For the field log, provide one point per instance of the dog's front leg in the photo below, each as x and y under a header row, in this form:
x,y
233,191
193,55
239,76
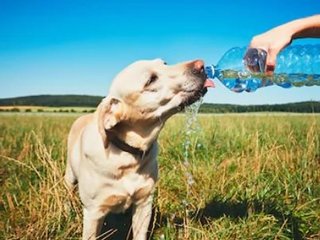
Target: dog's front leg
x,y
141,219
91,224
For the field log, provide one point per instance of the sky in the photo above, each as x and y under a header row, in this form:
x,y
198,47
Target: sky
x,y
77,47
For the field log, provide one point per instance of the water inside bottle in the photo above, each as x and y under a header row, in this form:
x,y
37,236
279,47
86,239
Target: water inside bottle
x,y
239,81
296,79
242,69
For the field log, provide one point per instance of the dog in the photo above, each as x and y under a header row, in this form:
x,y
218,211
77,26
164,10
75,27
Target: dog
x,y
112,153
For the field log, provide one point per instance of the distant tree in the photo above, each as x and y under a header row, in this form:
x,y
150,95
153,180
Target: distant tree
x,y
28,110
15,110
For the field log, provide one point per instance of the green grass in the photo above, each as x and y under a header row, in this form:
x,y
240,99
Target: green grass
x,y
256,177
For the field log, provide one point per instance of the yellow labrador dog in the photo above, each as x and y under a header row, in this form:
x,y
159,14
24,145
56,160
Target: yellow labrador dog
x,y
112,153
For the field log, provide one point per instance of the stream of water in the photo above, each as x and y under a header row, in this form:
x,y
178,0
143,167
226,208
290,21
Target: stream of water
x,y
192,130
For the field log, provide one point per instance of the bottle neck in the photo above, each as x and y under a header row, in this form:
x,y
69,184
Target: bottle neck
x,y
211,71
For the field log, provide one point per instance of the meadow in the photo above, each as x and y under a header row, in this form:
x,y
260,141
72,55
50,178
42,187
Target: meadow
x,y
256,176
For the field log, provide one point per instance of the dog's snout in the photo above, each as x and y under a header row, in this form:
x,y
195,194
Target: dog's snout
x,y
197,66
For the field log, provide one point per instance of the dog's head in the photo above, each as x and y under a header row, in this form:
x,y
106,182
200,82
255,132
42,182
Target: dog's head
x,y
146,93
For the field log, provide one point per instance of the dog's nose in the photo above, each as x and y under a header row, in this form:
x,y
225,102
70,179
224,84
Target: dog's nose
x,y
198,66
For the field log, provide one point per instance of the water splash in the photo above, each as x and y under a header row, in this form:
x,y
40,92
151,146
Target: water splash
x,y
192,130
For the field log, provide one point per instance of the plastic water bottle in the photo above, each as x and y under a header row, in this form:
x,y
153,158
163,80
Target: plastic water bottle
x,y
296,66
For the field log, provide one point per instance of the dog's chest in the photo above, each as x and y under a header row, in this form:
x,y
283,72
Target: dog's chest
x,y
128,183
130,189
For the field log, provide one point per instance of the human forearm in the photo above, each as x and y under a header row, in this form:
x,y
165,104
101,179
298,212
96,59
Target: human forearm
x,y
308,27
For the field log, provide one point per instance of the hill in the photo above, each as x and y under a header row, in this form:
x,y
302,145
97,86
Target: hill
x,y
92,101
53,101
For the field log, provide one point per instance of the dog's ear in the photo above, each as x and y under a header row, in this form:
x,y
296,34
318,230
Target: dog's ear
x,y
110,113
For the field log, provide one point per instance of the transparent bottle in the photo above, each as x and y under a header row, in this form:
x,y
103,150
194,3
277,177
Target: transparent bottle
x,y
296,66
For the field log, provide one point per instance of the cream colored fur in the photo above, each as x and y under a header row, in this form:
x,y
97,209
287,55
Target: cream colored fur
x,y
141,98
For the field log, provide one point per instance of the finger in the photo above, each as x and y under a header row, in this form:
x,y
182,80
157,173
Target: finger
x,y
271,62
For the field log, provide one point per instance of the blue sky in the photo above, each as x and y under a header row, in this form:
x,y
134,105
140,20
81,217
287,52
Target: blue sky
x,y
77,47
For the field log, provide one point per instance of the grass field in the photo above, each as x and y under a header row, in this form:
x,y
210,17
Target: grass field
x,y
256,177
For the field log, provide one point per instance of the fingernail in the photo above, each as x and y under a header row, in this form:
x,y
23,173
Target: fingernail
x,y
270,68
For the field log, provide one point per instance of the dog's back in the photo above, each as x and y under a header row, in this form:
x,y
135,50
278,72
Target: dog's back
x,y
73,154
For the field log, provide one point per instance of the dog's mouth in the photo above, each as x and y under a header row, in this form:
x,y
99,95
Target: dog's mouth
x,y
207,84
203,83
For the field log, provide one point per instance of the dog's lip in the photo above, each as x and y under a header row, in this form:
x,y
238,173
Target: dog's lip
x,y
207,84
203,91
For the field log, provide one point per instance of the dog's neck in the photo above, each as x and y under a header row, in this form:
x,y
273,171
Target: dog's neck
x,y
135,141
122,145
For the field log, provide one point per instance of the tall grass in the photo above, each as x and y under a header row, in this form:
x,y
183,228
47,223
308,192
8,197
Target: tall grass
x,y
33,196
256,177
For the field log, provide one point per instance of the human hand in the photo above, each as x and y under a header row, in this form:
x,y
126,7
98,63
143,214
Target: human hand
x,y
279,37
272,42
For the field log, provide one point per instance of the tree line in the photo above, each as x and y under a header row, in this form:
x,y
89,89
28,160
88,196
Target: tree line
x,y
93,101
53,101
302,107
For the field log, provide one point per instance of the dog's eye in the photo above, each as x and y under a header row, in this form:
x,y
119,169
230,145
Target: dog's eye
x,y
152,79
165,63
